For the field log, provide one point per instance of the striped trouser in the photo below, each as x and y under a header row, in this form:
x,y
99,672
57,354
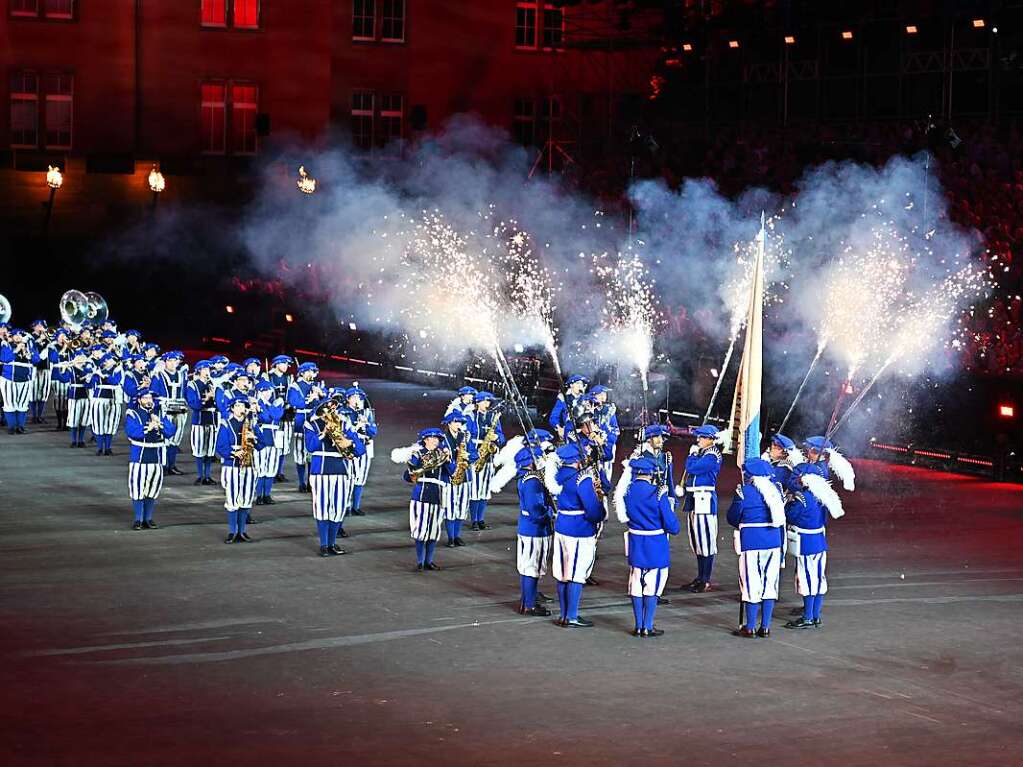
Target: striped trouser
x,y
285,434
759,570
573,558
105,415
456,502
479,481
811,574
647,582
204,441
78,413
298,449
17,395
144,480
239,487
265,461
40,384
703,533
533,552
332,495
59,389
180,421
360,467
424,520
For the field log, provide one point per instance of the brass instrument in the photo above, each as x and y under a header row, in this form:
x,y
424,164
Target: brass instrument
x,y
488,446
461,463
5,309
334,427
429,461
247,444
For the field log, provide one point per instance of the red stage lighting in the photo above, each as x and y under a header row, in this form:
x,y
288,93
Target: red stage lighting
x,y
1007,411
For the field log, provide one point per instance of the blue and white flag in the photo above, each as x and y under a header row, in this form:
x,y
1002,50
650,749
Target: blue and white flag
x,y
745,421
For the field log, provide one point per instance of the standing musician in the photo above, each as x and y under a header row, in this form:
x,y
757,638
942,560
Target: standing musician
x,y
331,445
169,385
605,413
565,405
5,339
78,377
464,402
41,372
784,456
365,424
654,446
60,361
279,376
132,344
758,513
456,502
699,483
104,386
229,389
429,470
19,358
199,394
237,442
822,453
151,353
136,377
254,368
305,391
649,511
147,432
536,520
268,411
487,437
580,514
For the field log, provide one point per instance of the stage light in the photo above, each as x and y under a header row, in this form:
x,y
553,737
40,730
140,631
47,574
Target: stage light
x,y
911,29
847,34
687,47
978,23
229,309
1007,411
288,318
53,177
790,40
733,43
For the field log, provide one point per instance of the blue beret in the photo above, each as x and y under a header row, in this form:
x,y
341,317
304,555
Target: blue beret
x,y
575,379
219,359
783,442
8,325
174,355
484,396
33,323
145,347
112,334
757,467
135,333
537,436
643,465
87,324
61,332
818,443
252,361
467,390
264,385
93,348
454,415
354,391
203,365
704,431
281,358
235,400
232,368
108,358
433,431
599,389
307,366
143,392
570,453
527,456
656,430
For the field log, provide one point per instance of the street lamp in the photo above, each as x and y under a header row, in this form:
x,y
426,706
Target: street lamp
x,y
54,180
306,183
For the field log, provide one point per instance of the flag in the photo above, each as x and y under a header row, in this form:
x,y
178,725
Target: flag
x,y
745,420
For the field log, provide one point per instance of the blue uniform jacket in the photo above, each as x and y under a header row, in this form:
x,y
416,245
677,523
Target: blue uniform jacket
x,y
203,413
135,427
561,411
480,423
607,419
807,514
452,444
170,385
579,509
368,429
429,491
749,508
317,441
229,437
269,419
18,367
535,510
224,397
702,470
131,382
665,468
300,399
649,512
105,383
78,382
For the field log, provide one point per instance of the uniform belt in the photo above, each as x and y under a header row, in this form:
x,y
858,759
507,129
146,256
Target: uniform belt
x,y
707,488
306,410
645,532
757,524
76,386
804,531
107,386
207,410
271,427
432,481
136,443
21,364
327,454
571,512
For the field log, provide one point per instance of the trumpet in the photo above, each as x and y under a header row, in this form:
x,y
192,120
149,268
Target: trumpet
x,y
430,460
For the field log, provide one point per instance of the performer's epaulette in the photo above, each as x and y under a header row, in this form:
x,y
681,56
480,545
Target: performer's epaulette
x,y
714,449
532,474
612,409
799,497
738,492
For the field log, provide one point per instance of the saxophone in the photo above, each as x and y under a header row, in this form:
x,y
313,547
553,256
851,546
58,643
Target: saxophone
x,y
488,447
334,427
428,462
247,442
461,463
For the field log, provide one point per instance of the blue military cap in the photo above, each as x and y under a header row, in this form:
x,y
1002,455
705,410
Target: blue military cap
x,y
202,365
281,359
576,379
252,361
599,389
570,453
132,332
354,391
19,332
37,323
93,348
757,467
526,457
536,436
643,465
219,359
482,396
307,366
112,334
5,325
264,385
656,430
87,324
783,442
235,400
453,416
467,390
433,431
143,391
175,354
708,432
61,332
145,347
819,444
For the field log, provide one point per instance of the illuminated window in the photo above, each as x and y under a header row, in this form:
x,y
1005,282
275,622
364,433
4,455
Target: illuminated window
x,y
553,27
389,127
363,20
240,14
214,117
24,109
214,13
59,95
244,105
246,14
362,119
524,121
392,21
24,8
525,25
49,9
58,9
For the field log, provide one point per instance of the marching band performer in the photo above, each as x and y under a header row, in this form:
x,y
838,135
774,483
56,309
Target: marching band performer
x,y
456,502
429,470
135,378
487,435
169,386
564,407
464,402
132,345
104,385
78,377
5,329
605,413
254,368
41,372
654,446
237,442
536,520
757,512
147,432
807,512
364,420
331,444
151,353
199,394
822,453
228,388
268,415
301,396
649,511
220,364
279,376
701,503
60,361
18,359
784,456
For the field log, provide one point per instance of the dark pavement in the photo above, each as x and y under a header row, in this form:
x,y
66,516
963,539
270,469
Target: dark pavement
x,y
167,647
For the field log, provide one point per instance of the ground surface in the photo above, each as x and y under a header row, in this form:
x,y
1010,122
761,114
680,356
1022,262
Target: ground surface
x,y
167,647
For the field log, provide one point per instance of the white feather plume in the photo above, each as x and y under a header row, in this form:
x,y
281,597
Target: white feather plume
x,y
842,468
403,454
620,488
550,470
796,456
505,463
821,488
772,496
507,453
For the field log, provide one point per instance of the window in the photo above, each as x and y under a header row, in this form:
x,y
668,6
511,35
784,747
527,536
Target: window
x,y
525,25
392,22
389,129
535,120
214,117
244,105
25,8
549,114
239,14
24,109
59,96
524,121
362,119
49,9
58,9
364,20
553,28
552,33
378,121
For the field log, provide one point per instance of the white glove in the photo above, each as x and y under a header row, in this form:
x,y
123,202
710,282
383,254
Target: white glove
x,y
680,490
694,450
